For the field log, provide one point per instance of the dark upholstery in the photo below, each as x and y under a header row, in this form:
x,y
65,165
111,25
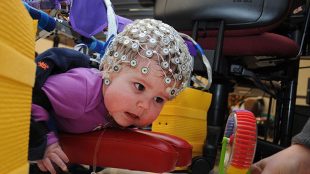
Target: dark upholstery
x,y
237,13
265,44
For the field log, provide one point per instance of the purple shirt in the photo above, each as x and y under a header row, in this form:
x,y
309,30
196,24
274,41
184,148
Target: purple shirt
x,y
77,101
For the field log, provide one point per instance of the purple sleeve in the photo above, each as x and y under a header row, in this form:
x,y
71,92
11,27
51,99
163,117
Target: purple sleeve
x,y
38,113
51,138
191,48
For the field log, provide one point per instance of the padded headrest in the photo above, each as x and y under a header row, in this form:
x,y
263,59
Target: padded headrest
x,y
236,13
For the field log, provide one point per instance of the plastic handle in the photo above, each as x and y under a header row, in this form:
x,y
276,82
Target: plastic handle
x,y
223,153
45,21
96,45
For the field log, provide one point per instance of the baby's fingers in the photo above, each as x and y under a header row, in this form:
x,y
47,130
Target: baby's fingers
x,y
58,161
41,166
48,165
62,155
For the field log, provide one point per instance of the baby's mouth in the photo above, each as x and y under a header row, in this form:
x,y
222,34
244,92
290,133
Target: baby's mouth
x,y
132,116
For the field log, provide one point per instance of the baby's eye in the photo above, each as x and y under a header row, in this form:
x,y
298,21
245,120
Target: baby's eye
x,y
139,86
158,99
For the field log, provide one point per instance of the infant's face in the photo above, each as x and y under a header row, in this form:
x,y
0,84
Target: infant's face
x,y
134,98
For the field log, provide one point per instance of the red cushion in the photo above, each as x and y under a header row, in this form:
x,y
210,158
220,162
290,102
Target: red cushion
x,y
127,149
266,44
183,148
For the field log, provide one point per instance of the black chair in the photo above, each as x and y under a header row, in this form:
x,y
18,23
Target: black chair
x,y
239,37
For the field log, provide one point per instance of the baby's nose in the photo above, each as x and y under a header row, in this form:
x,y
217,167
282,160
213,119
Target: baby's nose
x,y
145,104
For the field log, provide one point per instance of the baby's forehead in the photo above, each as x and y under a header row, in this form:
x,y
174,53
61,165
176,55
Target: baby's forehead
x,y
152,65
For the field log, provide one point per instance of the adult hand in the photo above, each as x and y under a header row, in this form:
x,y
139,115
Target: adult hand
x,y
53,155
294,159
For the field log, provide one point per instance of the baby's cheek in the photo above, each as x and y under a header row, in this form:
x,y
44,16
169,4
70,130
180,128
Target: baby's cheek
x,y
155,114
119,100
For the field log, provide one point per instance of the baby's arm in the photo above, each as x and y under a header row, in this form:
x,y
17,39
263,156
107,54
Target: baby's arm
x,y
53,152
55,61
38,113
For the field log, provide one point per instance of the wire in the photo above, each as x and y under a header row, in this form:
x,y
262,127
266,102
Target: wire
x,y
97,148
204,59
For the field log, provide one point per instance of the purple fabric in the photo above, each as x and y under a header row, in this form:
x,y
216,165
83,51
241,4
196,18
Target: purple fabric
x,y
51,138
122,22
191,48
77,100
88,17
39,113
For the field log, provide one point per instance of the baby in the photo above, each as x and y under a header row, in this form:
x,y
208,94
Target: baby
x,y
143,67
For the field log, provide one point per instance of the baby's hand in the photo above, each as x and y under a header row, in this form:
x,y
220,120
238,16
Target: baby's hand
x,y
53,154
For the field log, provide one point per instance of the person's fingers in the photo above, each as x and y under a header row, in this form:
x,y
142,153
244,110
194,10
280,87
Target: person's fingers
x,y
62,155
254,169
49,166
41,166
55,148
58,161
258,167
52,146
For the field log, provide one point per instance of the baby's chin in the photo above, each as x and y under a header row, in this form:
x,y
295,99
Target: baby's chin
x,y
122,123
126,125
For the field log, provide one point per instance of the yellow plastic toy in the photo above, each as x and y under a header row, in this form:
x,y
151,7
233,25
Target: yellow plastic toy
x,y
17,74
186,117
